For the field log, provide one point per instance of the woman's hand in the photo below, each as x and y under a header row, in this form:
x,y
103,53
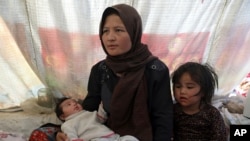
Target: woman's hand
x,y
60,136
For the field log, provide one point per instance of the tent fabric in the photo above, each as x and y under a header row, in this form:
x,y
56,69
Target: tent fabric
x,y
54,43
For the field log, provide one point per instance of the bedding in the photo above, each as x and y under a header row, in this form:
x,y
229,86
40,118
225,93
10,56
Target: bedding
x,y
246,110
7,136
24,119
231,107
24,123
21,121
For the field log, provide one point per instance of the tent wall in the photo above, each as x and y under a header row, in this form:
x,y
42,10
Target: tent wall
x,y
45,43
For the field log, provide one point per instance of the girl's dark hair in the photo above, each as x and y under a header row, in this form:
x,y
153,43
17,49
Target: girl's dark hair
x,y
203,74
58,109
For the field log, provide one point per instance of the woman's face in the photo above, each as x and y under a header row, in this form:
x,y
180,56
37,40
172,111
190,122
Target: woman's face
x,y
187,93
115,37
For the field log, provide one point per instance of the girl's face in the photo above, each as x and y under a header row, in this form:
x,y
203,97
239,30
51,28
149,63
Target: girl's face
x,y
69,107
187,94
115,37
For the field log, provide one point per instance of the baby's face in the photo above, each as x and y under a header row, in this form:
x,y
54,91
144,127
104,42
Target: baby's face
x,y
69,107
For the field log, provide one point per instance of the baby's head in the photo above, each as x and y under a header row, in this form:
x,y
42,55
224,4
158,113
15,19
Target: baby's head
x,y
66,107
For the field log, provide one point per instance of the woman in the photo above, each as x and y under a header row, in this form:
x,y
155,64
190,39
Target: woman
x,y
133,85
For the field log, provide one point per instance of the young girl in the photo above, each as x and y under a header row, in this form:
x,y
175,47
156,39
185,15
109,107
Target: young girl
x,y
194,116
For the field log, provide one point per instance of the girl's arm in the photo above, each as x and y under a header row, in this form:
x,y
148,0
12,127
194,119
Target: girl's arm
x,y
219,131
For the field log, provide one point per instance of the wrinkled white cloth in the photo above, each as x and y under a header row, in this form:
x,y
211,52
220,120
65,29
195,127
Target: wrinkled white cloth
x,y
6,136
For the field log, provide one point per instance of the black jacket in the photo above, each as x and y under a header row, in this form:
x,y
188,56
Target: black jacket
x,y
102,82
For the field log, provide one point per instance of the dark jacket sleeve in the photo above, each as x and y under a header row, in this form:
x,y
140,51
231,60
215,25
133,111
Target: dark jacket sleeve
x,y
160,101
93,98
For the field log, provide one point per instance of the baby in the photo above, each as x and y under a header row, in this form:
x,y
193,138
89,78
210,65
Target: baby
x,y
82,125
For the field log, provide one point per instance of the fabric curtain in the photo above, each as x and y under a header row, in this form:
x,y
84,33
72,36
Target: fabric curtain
x,y
45,43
